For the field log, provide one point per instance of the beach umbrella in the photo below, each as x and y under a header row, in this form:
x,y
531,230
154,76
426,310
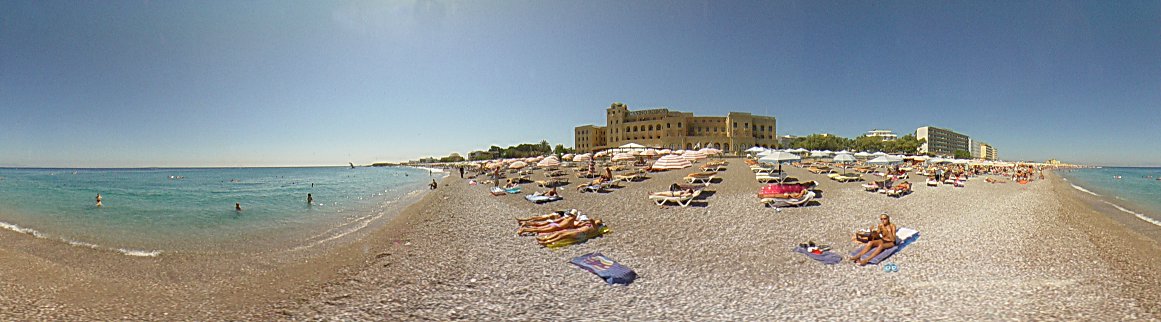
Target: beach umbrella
x,y
798,150
650,153
518,165
883,160
862,155
693,155
755,149
844,158
623,157
878,154
567,157
582,158
820,154
665,151
672,161
548,162
779,157
601,154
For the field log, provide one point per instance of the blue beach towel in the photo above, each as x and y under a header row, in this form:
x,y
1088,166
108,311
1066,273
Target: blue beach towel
x,y
608,269
541,199
907,235
827,257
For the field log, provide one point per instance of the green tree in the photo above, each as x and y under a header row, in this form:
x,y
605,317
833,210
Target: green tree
x,y
907,144
868,144
961,154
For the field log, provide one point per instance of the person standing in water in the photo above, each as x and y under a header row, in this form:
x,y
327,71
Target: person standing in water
x,y
309,199
238,206
99,200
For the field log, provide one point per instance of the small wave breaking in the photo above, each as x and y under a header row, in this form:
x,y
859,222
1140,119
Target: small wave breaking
x,y
1084,190
1139,215
75,243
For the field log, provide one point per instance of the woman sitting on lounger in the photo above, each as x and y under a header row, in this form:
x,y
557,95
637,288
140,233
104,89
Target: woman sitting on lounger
x,y
579,233
884,239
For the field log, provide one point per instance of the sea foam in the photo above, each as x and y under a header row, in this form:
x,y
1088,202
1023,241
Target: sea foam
x,y
1141,216
1085,190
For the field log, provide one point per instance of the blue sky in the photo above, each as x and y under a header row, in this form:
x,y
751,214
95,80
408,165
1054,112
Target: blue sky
x,y
263,83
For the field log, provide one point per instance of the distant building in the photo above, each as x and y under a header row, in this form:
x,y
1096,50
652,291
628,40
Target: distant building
x,y
662,128
482,155
941,142
885,135
786,139
981,150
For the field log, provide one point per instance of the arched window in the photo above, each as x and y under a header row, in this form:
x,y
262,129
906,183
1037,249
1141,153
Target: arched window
x,y
717,146
650,127
679,125
726,147
689,146
667,125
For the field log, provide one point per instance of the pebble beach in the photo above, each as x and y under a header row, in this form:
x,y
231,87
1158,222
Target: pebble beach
x,y
1040,251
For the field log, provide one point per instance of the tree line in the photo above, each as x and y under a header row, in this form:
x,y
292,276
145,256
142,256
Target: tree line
x,y
906,144
522,150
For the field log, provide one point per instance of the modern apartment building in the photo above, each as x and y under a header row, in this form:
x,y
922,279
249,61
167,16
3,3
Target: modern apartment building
x,y
987,152
885,135
941,142
662,128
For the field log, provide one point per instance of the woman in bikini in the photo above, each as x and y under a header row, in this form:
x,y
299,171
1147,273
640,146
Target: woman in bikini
x,y
884,240
585,229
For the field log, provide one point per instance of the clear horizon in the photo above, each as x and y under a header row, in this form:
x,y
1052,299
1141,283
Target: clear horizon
x,y
271,83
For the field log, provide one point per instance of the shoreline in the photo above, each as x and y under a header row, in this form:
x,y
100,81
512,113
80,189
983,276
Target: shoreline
x,y
49,279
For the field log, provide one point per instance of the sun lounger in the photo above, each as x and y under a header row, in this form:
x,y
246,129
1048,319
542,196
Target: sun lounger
x,y
712,168
681,198
551,183
932,183
848,177
764,170
872,187
597,187
762,178
628,177
700,177
542,199
904,234
788,202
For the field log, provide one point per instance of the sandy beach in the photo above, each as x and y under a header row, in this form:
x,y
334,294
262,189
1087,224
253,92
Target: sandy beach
x,y
1041,251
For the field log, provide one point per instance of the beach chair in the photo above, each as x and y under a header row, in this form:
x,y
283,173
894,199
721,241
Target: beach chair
x,y
712,168
788,202
538,199
551,183
681,198
871,187
595,187
763,178
700,177
932,183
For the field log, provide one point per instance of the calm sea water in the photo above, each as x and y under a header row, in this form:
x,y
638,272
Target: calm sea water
x,y
150,211
1132,190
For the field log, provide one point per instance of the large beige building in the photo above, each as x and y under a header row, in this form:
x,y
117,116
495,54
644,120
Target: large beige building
x,y
662,128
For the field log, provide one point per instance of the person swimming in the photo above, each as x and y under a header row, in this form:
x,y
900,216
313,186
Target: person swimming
x,y
238,206
99,200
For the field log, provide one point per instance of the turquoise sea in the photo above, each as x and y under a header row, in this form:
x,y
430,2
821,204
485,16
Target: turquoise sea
x,y
1132,190
147,212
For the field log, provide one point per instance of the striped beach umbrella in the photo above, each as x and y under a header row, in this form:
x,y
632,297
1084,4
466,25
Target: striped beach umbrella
x,y
672,161
582,158
567,157
623,157
518,165
693,155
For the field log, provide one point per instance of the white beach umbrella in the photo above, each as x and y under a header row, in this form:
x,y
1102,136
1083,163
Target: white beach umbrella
x,y
755,149
878,154
844,157
862,155
582,158
567,157
820,154
798,150
884,160
548,162
623,157
672,161
601,154
779,157
693,155
518,165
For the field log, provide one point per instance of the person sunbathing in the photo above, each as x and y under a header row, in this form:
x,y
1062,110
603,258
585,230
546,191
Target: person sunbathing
x,y
882,238
579,233
550,193
902,186
511,184
566,222
785,195
990,180
552,215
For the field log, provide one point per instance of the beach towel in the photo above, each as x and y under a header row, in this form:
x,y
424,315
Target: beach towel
x,y
773,189
608,269
906,235
542,199
513,190
827,257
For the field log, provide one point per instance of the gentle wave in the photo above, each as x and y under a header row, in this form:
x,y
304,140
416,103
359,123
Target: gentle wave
x,y
1085,190
75,243
1141,216
433,170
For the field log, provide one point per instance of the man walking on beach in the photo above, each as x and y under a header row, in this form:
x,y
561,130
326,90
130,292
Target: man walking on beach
x,y
461,172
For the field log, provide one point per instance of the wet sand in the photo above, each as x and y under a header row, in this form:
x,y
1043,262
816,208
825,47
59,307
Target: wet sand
x,y
1041,251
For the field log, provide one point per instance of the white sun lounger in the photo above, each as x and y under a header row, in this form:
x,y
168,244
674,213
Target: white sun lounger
x,y
681,199
785,202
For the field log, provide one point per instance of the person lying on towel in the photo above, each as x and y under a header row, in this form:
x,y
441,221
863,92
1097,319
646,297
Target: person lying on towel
x,y
551,216
580,233
882,237
564,223
549,193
